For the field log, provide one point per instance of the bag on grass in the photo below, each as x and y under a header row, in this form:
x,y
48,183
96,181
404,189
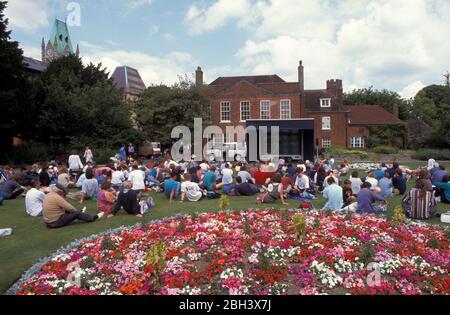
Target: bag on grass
x,y
213,195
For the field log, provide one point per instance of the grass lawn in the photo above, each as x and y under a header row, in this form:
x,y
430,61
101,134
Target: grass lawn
x,y
31,240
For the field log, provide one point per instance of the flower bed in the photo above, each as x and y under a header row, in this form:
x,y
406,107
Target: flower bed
x,y
253,252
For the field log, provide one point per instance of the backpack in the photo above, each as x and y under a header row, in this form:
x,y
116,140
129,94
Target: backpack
x,y
213,195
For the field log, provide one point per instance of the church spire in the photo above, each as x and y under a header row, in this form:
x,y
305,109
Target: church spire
x,y
43,50
78,51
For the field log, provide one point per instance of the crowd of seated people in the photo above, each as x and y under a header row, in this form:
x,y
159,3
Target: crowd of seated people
x,y
123,184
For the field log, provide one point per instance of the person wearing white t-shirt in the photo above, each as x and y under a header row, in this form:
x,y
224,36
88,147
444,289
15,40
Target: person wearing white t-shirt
x,y
372,181
75,164
137,178
117,178
34,200
190,190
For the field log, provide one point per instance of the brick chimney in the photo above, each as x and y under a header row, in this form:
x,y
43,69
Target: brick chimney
x,y
396,110
301,76
336,91
199,77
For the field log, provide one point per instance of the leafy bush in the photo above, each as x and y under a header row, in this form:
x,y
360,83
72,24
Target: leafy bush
x,y
425,154
384,149
339,151
27,154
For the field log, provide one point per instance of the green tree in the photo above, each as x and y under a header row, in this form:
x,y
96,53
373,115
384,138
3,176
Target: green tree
x,y
12,84
432,107
162,108
384,98
78,106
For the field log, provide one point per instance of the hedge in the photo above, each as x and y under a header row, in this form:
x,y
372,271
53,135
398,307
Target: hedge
x,y
437,154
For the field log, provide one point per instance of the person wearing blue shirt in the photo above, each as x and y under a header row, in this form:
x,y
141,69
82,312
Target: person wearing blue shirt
x,y
386,186
172,188
11,189
379,173
366,200
445,189
210,179
122,153
438,174
334,195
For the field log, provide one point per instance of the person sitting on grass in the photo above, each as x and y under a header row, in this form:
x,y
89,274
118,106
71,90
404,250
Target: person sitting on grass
x,y
58,212
172,188
89,188
106,198
288,183
424,178
118,178
334,195
444,187
366,200
419,203
245,176
275,192
438,174
34,200
137,177
75,164
347,193
11,189
302,185
210,179
244,188
372,181
190,190
227,180
128,200
386,186
102,177
356,183
399,182
64,178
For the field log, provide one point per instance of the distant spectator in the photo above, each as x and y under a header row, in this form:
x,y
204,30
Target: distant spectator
x,y
438,174
367,199
190,190
386,186
356,183
399,182
89,188
11,189
244,188
333,193
34,200
445,189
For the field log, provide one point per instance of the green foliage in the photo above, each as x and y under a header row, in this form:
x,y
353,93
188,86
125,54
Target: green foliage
x,y
13,96
300,227
181,226
107,244
27,154
156,257
264,261
340,151
425,154
163,108
385,150
399,216
434,243
387,136
224,202
317,223
384,98
431,106
367,253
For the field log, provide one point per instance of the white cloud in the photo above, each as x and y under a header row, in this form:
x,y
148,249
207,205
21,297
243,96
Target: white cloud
x,y
203,19
32,52
387,44
412,89
153,69
27,15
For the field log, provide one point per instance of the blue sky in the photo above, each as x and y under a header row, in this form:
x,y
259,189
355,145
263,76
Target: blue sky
x,y
399,45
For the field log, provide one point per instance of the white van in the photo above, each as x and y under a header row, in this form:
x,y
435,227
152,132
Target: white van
x,y
235,151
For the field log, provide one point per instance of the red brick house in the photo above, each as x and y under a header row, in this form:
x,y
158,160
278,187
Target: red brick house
x,y
308,117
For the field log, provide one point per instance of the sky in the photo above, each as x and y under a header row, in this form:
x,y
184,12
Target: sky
x,y
400,45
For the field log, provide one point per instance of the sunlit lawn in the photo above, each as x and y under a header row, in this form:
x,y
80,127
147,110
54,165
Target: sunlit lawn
x,y
31,240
